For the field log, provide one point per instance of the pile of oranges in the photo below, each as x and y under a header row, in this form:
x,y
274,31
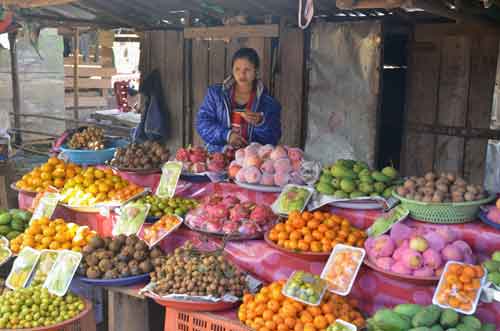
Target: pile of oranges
x,y
460,286
54,173
315,232
93,185
270,310
57,234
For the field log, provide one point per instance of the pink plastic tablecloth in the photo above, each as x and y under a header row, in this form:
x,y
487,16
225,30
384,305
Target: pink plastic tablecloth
x,y
373,290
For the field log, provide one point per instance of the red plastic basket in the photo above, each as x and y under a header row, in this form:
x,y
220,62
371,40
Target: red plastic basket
x,y
176,320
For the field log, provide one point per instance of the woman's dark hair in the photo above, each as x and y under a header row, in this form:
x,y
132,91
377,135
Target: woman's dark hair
x,y
248,54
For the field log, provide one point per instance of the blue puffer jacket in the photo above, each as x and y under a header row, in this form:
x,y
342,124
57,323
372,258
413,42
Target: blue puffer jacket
x,y
214,121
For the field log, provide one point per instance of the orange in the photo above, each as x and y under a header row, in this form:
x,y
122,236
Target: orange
x,y
479,271
313,224
308,239
316,247
299,326
54,245
66,245
46,241
53,160
306,317
317,235
295,235
318,215
271,325
322,228
267,315
273,235
302,245
320,322
306,216
315,311
59,182
290,322
309,327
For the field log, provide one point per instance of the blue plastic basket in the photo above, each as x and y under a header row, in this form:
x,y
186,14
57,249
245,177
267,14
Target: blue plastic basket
x,y
88,157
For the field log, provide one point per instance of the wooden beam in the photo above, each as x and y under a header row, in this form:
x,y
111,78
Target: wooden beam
x,y
35,3
369,4
89,71
87,83
76,73
16,94
228,32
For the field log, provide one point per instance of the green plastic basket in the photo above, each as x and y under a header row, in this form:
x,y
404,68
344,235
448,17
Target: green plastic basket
x,y
443,213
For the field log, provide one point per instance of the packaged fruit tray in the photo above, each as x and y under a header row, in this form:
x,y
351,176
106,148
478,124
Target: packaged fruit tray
x,y
443,213
342,268
405,278
124,281
152,234
461,283
309,256
305,287
292,198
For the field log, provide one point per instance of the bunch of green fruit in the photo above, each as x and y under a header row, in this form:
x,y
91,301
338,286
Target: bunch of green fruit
x,y
168,206
412,317
354,179
493,267
34,307
306,287
13,222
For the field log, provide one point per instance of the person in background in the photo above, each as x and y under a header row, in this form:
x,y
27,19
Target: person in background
x,y
240,110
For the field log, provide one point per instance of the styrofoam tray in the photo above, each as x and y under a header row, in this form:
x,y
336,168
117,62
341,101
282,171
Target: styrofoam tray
x,y
275,206
478,295
18,264
163,234
337,249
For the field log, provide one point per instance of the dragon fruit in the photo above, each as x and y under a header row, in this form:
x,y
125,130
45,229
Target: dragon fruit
x,y
218,211
452,253
261,214
412,259
383,246
215,165
435,241
400,268
199,167
230,201
252,161
432,258
281,179
423,272
385,263
213,226
230,227
182,155
400,232
248,228
251,151
240,176
296,165
197,157
238,213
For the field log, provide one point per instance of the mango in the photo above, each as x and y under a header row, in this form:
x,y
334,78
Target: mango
x,y
408,309
389,320
473,323
496,256
490,265
4,229
379,187
436,327
326,178
366,188
380,177
449,318
325,188
366,179
340,194
347,185
357,194
390,172
427,316
5,218
13,234
488,327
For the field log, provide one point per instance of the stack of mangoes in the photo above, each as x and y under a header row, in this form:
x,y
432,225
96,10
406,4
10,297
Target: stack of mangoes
x,y
13,222
354,179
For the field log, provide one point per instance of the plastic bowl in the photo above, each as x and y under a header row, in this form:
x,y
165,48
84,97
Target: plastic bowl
x,y
89,157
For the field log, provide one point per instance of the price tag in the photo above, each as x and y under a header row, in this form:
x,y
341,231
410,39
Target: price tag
x,y
130,218
170,174
46,206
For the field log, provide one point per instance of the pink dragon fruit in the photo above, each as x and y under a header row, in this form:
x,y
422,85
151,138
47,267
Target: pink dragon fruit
x,y
295,154
412,259
435,241
230,201
199,167
182,155
400,232
218,211
423,272
197,156
268,166
452,253
212,200
278,153
470,259
252,175
384,263
238,213
383,246
264,152
267,179
252,161
432,258
261,214
214,226
400,268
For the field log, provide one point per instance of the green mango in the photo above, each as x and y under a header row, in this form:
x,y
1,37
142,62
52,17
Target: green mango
x,y
347,185
496,256
449,318
390,172
365,172
325,188
379,187
420,328
335,183
357,194
380,177
494,277
5,218
490,265
13,234
389,320
472,322
17,224
408,309
4,229
436,327
22,214
427,316
366,179
488,327
326,178
366,188
388,192
340,194
346,163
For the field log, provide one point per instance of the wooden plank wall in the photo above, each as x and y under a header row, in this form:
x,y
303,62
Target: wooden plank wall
x,y
211,63
451,83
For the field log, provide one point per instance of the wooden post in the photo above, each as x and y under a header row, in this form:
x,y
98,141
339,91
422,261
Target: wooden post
x,y
188,91
76,73
16,92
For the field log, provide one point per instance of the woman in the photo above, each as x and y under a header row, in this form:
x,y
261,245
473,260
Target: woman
x,y
240,110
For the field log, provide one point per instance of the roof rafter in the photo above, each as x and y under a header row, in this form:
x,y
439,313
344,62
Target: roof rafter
x,y
35,3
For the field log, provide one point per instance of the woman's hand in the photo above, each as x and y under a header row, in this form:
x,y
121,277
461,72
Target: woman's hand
x,y
252,117
237,141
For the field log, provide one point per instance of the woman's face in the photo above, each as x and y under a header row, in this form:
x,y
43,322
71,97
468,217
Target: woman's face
x,y
244,72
